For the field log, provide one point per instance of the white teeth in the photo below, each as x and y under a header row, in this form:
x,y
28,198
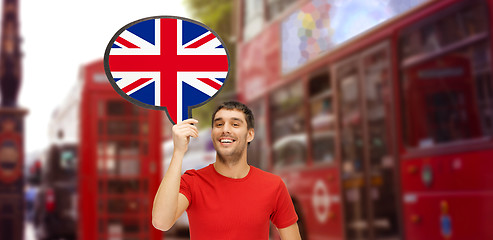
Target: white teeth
x,y
226,141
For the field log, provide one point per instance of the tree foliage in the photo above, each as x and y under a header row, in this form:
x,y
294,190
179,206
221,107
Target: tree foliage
x,y
218,15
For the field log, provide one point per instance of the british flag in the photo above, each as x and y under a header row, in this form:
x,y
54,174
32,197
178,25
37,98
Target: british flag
x,y
167,63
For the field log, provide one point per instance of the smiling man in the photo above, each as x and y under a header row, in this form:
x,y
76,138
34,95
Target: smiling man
x,y
228,199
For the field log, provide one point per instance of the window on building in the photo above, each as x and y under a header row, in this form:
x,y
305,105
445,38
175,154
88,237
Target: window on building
x,y
276,7
253,18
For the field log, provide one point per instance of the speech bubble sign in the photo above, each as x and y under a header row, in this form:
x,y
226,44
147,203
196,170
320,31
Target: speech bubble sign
x,y
167,63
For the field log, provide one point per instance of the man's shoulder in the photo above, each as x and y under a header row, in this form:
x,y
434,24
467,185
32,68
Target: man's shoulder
x,y
267,176
200,171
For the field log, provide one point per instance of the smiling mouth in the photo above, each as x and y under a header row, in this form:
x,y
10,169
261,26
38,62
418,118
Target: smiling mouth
x,y
227,140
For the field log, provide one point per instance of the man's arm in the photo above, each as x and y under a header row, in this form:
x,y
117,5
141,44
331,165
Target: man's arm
x,y
169,204
290,233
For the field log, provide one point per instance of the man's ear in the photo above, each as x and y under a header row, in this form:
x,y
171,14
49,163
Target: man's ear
x,y
251,135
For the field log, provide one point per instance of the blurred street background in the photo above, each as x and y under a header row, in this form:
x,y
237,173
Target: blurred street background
x,y
378,116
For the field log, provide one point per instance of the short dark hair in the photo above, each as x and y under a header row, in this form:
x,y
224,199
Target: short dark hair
x,y
233,105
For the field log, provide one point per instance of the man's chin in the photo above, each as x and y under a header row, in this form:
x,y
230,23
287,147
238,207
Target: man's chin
x,y
228,156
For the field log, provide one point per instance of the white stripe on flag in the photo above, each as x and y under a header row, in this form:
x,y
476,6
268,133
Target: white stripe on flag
x,y
201,86
208,48
193,75
197,39
140,86
216,81
191,78
146,48
136,40
157,91
128,78
179,104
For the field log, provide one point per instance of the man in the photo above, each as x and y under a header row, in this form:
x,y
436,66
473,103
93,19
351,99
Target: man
x,y
228,199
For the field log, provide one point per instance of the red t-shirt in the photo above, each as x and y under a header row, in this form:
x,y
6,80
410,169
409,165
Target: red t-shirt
x,y
227,208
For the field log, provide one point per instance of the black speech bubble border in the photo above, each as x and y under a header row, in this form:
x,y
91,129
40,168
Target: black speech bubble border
x,y
145,105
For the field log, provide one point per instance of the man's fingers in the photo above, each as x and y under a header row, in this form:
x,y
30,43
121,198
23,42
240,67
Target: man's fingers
x,y
194,128
192,133
190,121
182,132
187,131
187,126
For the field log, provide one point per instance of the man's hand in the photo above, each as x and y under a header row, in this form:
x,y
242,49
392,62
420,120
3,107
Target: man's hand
x,y
181,134
169,204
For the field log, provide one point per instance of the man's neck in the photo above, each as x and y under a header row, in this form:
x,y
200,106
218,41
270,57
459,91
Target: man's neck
x,y
235,171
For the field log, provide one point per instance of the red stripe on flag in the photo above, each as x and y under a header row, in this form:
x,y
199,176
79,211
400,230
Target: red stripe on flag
x,y
202,63
211,83
201,41
135,84
169,62
168,69
125,43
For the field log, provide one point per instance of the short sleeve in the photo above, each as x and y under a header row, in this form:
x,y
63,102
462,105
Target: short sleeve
x,y
186,185
284,214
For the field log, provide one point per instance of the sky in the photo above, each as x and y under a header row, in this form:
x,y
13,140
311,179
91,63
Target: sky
x,y
58,37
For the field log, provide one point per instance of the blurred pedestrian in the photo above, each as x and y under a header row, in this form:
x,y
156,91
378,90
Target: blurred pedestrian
x,y
30,197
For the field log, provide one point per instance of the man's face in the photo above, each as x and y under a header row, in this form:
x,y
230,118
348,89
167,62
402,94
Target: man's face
x,y
230,134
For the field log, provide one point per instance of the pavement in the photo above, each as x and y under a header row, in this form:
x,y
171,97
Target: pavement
x,y
29,231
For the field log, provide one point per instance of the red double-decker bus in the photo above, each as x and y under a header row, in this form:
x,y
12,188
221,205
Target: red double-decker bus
x,y
378,115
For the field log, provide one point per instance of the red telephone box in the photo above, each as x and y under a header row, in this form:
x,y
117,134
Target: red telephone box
x,y
119,165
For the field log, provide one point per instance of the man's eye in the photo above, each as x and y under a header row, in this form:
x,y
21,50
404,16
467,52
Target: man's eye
x,y
219,124
236,124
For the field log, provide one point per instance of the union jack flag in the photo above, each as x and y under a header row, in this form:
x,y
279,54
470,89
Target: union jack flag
x,y
167,63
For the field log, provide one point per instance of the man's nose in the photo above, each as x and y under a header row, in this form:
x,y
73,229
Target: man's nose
x,y
227,128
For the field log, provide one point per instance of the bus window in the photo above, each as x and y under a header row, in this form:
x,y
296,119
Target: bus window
x,y
447,97
322,118
290,151
61,162
288,125
68,159
257,151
